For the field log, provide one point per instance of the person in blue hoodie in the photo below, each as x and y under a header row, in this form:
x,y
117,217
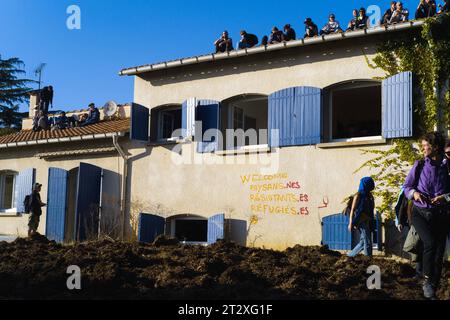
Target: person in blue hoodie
x,y
362,217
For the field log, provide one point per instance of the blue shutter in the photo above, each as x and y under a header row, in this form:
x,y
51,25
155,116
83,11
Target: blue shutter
x,y
297,115
335,232
24,186
150,227
88,201
307,116
281,110
216,228
397,106
56,204
188,117
207,113
139,122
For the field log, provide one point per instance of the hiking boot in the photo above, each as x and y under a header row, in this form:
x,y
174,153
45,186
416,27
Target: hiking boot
x,y
429,290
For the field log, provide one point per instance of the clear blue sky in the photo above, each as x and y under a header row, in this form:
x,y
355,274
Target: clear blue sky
x,y
82,65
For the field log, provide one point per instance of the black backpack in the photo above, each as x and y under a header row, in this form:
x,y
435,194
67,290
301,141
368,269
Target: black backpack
x,y
27,204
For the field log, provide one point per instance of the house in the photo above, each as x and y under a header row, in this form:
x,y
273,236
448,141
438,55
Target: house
x,y
259,146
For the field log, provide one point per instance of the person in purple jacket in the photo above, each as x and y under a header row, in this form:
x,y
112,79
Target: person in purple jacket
x,y
428,186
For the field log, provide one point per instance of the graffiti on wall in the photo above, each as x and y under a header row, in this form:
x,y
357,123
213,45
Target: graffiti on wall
x,y
276,194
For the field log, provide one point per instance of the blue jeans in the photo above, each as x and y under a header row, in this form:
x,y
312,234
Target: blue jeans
x,y
365,242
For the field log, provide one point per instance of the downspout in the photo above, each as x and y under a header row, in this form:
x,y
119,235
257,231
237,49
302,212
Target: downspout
x,y
124,182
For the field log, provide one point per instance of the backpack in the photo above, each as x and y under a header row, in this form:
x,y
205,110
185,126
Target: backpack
x,y
252,40
348,206
27,204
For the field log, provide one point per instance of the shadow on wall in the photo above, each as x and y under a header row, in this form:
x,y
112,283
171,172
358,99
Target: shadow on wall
x,y
267,61
237,231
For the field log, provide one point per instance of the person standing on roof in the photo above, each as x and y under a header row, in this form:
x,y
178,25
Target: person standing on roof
x,y
46,99
332,26
428,185
224,43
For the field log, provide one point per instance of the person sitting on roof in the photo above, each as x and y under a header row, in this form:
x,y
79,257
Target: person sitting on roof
x,y
352,24
426,9
265,41
311,29
444,8
400,14
62,122
332,26
93,116
276,36
363,20
289,33
224,44
40,121
388,14
248,40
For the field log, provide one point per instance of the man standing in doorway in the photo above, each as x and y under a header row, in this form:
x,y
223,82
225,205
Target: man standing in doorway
x,y
36,210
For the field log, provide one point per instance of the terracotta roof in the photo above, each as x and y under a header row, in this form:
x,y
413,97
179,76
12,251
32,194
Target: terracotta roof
x,y
103,127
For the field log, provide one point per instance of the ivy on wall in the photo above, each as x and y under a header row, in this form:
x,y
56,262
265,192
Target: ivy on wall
x,y
425,52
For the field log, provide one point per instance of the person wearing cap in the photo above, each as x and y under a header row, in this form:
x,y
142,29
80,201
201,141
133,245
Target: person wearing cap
x,y
400,14
248,40
93,116
332,26
289,33
224,43
276,36
311,29
36,210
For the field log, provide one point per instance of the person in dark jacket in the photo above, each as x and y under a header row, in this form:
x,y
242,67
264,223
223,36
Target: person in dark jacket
x,y
224,44
289,33
352,24
276,36
46,98
428,185
362,22
362,217
388,14
248,40
93,116
444,8
36,210
426,9
400,14
311,29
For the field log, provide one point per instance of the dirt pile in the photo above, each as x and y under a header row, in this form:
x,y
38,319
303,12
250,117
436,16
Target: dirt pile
x,y
37,268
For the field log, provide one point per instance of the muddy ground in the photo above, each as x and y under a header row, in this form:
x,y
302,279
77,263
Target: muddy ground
x,y
36,269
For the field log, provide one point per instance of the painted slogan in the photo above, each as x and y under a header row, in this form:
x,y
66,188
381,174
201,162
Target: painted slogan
x,y
276,194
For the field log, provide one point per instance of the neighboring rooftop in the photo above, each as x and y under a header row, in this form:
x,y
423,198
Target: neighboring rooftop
x,y
103,129
274,47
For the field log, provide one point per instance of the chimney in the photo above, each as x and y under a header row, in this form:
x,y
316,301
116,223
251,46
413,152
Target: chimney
x,y
34,102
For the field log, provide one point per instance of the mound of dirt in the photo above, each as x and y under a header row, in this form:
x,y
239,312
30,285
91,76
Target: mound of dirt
x,y
36,268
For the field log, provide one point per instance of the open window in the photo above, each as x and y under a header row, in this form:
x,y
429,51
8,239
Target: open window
x,y
166,123
353,111
7,187
189,228
247,118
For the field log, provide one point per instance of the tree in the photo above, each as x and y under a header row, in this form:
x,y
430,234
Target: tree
x,y
13,91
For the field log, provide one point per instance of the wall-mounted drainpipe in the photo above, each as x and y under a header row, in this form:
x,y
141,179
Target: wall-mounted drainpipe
x,y
124,182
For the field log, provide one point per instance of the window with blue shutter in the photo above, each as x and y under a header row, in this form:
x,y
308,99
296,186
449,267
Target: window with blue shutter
x,y
216,228
207,113
88,201
24,186
150,227
139,123
295,117
188,117
56,204
397,108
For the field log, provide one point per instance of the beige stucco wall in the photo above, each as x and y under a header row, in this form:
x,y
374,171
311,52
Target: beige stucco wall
x,y
19,159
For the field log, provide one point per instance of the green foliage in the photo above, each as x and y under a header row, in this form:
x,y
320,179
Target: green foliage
x,y
426,53
13,91
6,131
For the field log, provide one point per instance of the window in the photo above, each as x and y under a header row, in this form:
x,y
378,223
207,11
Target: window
x,y
246,115
353,111
166,122
7,187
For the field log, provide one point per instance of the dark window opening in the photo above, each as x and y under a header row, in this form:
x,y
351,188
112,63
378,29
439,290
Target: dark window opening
x,y
166,123
191,230
245,113
356,112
